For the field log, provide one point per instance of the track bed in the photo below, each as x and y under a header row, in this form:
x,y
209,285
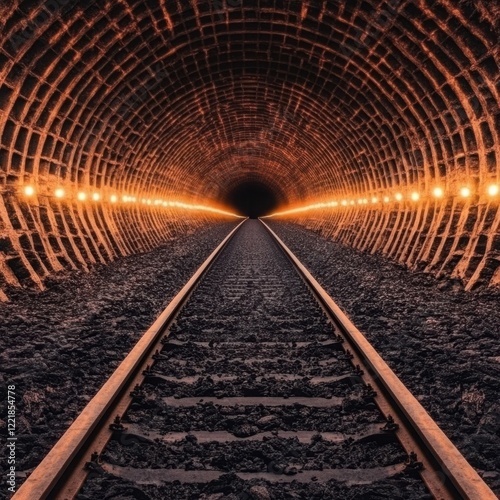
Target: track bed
x,y
252,396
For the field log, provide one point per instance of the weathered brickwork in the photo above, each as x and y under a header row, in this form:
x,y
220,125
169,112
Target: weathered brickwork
x,y
451,239
189,98
43,238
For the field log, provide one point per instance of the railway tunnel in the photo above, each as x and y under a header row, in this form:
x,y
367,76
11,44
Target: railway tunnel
x,y
369,125
384,112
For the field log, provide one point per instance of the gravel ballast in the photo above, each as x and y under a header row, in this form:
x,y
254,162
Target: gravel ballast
x,y
58,347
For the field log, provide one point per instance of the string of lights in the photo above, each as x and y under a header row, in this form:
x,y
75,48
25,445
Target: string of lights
x,y
438,193
60,193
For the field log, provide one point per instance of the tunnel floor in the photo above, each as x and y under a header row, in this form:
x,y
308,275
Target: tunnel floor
x,y
431,333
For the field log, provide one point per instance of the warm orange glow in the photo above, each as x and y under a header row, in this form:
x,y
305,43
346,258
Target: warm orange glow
x,y
82,196
465,192
438,192
29,190
493,190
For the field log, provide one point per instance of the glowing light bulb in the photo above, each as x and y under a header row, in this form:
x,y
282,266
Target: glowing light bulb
x,y
96,196
386,199
365,201
59,193
81,196
493,190
360,201
415,196
398,196
29,190
352,202
113,198
343,203
438,192
374,199
465,192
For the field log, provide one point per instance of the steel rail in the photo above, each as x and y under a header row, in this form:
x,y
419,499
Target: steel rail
x,y
61,473
446,472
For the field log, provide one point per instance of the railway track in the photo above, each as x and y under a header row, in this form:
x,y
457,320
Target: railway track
x,y
252,383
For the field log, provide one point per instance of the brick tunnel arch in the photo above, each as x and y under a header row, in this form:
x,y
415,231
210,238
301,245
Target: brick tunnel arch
x,y
188,99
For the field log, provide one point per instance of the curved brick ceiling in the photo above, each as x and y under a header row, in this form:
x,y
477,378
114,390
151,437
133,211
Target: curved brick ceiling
x,y
311,98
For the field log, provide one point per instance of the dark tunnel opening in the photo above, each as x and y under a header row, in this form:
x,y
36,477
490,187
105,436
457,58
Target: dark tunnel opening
x,y
252,199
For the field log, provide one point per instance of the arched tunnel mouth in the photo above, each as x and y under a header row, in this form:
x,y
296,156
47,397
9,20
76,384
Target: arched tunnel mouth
x,y
252,199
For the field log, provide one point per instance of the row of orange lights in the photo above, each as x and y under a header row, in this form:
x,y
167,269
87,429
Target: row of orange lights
x,y
82,196
437,192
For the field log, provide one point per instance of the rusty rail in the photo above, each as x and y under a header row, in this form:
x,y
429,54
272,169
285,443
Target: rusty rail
x,y
62,472
446,472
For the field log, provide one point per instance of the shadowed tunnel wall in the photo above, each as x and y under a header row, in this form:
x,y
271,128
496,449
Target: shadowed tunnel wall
x,y
190,100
